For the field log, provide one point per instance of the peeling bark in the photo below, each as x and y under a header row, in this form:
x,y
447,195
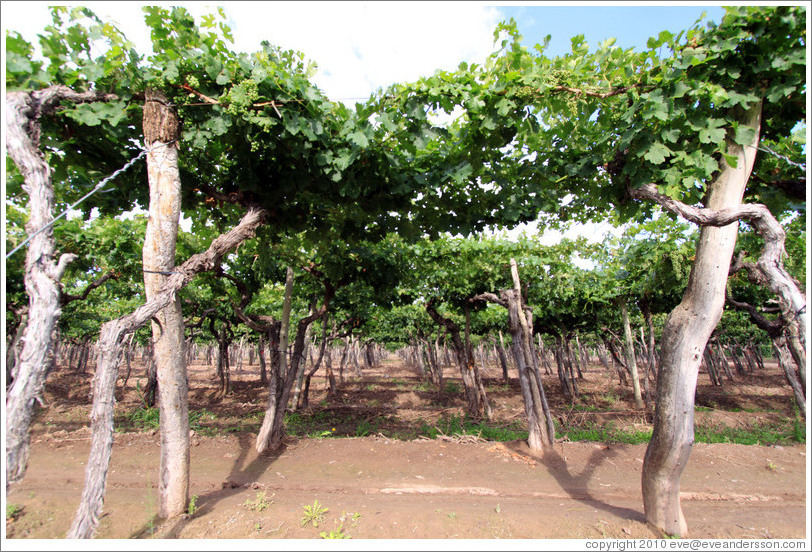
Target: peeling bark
x,y
111,348
631,358
322,347
265,438
161,131
476,399
273,429
770,265
43,270
541,431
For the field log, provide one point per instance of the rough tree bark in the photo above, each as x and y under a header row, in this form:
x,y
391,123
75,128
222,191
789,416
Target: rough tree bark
x,y
769,266
567,386
43,270
13,349
322,347
776,329
476,399
685,335
224,339
789,324
263,369
435,370
111,348
500,349
631,358
272,430
300,375
151,387
278,373
784,357
540,427
161,132
651,369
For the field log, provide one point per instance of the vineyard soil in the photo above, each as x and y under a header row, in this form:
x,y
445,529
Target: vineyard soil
x,y
360,454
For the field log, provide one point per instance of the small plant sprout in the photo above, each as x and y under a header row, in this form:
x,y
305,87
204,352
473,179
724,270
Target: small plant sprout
x,y
313,514
192,508
353,517
335,533
13,511
261,502
771,466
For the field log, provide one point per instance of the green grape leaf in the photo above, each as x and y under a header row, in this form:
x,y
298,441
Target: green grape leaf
x,y
657,153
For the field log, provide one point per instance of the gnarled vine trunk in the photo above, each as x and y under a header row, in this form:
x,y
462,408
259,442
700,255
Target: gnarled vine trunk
x,y
111,348
269,431
322,347
684,338
476,399
631,358
541,431
273,429
43,270
161,132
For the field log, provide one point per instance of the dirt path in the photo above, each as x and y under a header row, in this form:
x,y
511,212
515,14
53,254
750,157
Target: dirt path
x,y
415,489
404,488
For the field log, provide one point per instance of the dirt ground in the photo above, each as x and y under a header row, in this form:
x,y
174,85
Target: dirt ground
x,y
392,484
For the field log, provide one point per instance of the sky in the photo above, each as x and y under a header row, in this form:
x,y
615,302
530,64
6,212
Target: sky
x,y
362,46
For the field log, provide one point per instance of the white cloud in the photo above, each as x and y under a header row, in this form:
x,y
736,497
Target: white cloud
x,y
362,46
358,46
31,18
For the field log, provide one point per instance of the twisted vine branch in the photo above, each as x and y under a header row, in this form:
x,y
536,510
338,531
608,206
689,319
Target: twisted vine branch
x,y
769,264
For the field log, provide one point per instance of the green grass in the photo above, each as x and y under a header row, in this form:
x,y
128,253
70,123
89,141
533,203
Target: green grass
x,y
461,425
366,427
329,423
260,503
757,434
320,425
316,426
147,419
451,388
605,434
311,425
196,420
144,419
582,408
610,397
760,434
192,507
335,534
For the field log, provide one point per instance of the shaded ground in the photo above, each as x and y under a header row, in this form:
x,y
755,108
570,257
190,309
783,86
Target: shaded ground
x,y
376,486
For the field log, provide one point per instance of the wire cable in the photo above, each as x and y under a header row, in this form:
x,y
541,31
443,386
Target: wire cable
x,y
95,189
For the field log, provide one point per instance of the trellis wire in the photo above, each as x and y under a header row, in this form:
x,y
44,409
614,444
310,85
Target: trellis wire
x,y
95,189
